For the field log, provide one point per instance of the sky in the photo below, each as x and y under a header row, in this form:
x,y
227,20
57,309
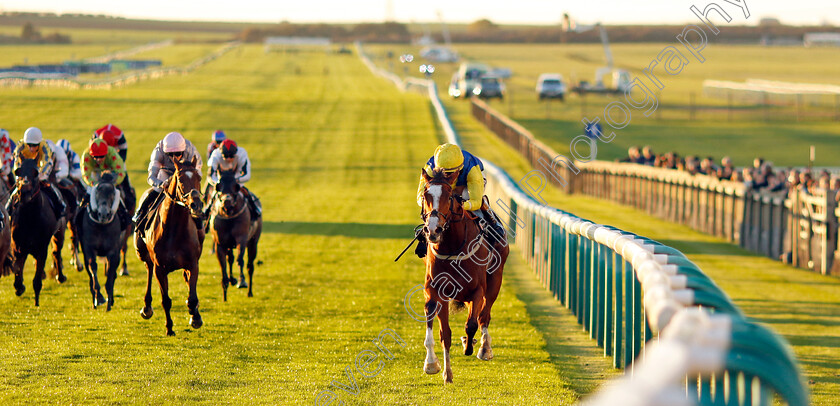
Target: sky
x,y
811,12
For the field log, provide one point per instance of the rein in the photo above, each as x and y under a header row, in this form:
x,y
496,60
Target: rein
x,y
221,214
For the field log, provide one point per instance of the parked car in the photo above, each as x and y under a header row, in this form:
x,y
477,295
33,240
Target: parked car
x,y
468,77
454,90
551,86
488,87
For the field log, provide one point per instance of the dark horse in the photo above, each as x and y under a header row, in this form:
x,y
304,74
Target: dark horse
x,y
233,228
128,199
101,236
172,240
460,266
71,191
33,224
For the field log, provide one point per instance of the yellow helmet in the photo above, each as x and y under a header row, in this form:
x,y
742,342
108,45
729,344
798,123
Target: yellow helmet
x,y
449,157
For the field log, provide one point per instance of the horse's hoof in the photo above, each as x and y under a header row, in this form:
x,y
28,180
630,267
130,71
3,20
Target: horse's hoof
x,y
79,268
196,322
147,313
124,272
232,281
447,377
19,291
108,309
61,278
100,300
170,333
250,294
242,284
484,355
432,368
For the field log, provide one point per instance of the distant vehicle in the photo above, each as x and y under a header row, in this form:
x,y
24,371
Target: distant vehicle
x,y
469,74
454,91
439,54
551,86
489,87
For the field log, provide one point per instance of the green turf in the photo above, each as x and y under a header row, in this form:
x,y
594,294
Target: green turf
x,y
800,305
335,153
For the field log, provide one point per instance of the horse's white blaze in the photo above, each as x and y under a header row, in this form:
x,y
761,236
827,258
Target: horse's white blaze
x,y
429,343
189,174
436,191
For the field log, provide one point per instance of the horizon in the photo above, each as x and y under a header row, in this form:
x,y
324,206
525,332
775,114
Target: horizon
x,y
530,12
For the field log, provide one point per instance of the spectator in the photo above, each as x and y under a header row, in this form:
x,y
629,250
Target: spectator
x,y
648,157
747,178
726,169
707,166
633,156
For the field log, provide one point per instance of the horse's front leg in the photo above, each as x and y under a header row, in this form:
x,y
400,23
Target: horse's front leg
x,y
58,265
222,257
165,301
472,321
111,265
92,268
446,342
37,281
432,365
20,261
240,260
192,300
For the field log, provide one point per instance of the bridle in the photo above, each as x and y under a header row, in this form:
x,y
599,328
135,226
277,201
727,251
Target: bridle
x,y
436,212
114,206
180,194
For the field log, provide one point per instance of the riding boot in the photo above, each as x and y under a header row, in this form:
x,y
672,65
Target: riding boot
x,y
140,215
422,246
122,214
495,232
253,205
55,196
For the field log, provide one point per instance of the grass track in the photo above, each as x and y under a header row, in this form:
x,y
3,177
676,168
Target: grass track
x,y
336,152
800,305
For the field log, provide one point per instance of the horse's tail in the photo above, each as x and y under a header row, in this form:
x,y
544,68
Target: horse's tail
x,y
456,306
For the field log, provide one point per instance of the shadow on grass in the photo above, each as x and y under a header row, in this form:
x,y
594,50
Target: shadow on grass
x,y
356,230
575,356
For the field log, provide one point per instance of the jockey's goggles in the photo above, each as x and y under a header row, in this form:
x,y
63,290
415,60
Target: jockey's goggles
x,y
32,145
98,156
174,154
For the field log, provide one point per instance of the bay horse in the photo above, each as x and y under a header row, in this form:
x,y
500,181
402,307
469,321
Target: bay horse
x,y
172,240
461,266
232,229
33,224
102,236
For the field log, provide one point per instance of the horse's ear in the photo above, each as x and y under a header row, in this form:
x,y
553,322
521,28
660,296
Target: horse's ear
x,y
219,186
425,176
17,172
452,177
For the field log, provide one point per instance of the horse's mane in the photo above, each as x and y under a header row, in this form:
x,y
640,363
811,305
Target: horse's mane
x,y
438,176
28,167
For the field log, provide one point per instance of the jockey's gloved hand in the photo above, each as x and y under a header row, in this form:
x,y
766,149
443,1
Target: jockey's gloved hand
x,y
43,177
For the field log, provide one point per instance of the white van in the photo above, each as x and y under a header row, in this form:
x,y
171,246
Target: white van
x,y
551,86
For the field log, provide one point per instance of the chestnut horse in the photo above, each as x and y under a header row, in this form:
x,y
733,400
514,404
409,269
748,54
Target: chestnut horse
x,y
33,224
460,266
172,240
232,229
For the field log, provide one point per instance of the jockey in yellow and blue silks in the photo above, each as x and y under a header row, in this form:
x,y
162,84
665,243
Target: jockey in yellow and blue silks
x,y
452,158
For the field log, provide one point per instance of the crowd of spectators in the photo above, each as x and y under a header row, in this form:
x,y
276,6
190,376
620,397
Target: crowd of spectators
x,y
761,176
